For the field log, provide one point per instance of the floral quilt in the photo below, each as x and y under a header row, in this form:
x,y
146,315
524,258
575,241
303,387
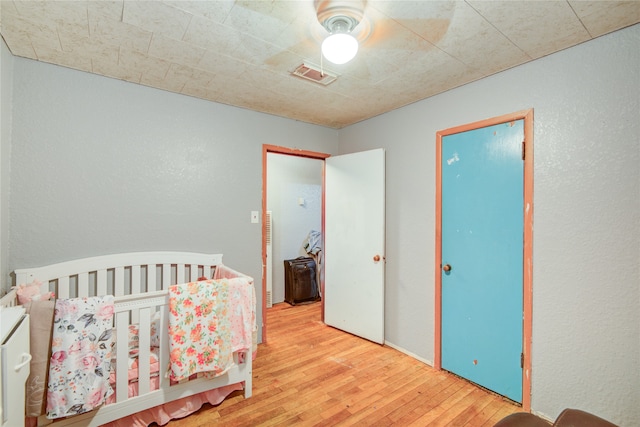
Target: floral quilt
x,y
199,329
80,355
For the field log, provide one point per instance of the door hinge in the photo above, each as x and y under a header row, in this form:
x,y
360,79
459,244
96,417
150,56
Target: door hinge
x,y
521,360
523,149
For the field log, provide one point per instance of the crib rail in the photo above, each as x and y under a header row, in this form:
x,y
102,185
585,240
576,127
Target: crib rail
x,y
121,274
9,300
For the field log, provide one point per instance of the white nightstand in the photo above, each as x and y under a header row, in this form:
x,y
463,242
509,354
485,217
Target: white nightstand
x,y
14,364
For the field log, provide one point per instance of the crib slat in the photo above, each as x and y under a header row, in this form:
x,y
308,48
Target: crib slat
x,y
163,355
144,345
122,356
194,272
101,282
135,289
180,274
166,276
83,284
118,281
135,279
63,287
151,278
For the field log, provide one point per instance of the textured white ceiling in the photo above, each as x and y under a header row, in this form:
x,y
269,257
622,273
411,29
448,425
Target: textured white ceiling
x,y
242,53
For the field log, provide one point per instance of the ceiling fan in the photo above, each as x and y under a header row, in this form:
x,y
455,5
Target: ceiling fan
x,y
339,18
383,30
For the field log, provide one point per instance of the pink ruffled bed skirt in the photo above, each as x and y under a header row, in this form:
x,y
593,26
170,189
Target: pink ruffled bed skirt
x,y
180,408
162,414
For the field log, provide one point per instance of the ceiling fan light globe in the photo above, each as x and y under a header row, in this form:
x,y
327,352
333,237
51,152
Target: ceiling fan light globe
x,y
340,48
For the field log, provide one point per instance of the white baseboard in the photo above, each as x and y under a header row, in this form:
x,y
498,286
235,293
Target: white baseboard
x,y
408,353
430,363
543,416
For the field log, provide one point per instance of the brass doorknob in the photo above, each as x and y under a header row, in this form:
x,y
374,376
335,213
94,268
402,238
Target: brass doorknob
x,y
376,258
446,267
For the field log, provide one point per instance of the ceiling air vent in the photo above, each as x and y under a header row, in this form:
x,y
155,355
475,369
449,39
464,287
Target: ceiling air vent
x,y
312,73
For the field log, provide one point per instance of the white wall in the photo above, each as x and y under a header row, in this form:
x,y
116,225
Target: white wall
x,y
6,97
290,178
586,300
104,166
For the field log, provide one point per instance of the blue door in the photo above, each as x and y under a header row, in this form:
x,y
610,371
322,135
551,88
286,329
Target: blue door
x,y
482,256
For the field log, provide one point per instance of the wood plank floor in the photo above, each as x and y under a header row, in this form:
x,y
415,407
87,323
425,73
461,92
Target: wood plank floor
x,y
310,374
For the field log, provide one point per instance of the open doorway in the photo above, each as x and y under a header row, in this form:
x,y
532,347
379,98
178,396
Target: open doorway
x,y
294,219
292,194
352,190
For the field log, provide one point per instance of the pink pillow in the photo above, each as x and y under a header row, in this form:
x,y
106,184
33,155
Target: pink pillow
x,y
31,292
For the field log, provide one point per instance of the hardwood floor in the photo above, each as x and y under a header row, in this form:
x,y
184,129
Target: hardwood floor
x,y
310,374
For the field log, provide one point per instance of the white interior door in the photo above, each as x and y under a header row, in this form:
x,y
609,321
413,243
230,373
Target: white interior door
x,y
354,244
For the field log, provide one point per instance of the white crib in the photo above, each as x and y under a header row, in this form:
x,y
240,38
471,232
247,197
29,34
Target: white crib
x,y
140,282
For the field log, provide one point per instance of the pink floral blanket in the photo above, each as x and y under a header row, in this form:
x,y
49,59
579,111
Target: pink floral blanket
x,y
208,321
80,355
199,329
242,296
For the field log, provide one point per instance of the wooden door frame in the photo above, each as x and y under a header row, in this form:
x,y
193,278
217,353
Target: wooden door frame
x,y
266,149
527,274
